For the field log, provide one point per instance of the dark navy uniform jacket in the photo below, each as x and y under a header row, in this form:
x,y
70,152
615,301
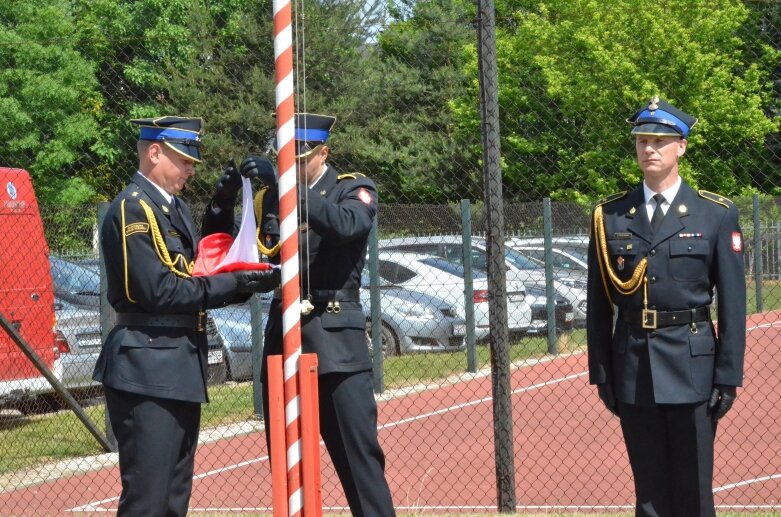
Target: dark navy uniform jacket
x,y
338,216
698,249
166,362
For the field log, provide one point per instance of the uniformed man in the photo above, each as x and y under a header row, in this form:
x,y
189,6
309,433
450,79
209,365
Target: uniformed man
x,y
153,365
337,212
656,254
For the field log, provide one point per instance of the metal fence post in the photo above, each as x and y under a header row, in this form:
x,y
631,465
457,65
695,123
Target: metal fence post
x,y
374,294
256,326
106,316
469,308
550,292
497,286
757,253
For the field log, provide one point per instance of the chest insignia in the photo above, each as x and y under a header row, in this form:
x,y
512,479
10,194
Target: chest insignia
x,y
620,263
632,211
696,235
323,192
165,209
682,209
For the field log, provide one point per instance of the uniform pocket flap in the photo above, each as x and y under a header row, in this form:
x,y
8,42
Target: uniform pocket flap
x,y
343,319
702,345
689,247
626,247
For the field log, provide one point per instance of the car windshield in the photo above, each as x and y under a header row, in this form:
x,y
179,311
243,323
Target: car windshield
x,y
522,261
73,278
450,267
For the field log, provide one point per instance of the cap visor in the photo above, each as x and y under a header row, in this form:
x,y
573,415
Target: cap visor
x,y
188,151
655,129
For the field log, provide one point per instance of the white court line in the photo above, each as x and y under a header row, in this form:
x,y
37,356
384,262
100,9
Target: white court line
x,y
95,506
746,482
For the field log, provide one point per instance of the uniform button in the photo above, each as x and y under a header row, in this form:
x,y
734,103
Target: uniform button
x,y
652,253
690,248
653,279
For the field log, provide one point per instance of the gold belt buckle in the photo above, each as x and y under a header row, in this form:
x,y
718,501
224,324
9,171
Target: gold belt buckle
x,y
200,326
649,318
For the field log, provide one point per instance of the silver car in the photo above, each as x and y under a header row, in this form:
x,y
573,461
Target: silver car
x,y
430,274
413,321
571,285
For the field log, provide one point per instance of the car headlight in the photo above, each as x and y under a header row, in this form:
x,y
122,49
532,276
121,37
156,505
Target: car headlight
x,y
415,311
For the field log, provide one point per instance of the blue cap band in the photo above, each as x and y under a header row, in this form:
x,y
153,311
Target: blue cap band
x,y
662,117
311,135
165,133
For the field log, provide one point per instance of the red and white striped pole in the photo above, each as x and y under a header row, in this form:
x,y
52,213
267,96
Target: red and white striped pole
x,y
288,203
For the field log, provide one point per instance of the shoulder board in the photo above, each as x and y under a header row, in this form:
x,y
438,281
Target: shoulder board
x,y
349,176
611,198
716,198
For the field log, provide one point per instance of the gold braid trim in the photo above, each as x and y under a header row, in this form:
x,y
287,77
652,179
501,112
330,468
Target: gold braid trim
x,y
272,251
628,287
162,249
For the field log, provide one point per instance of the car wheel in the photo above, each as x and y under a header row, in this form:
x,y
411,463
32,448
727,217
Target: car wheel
x,y
389,342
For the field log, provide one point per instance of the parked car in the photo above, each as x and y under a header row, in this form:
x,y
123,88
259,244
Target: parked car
x,y
77,300
445,280
79,341
560,258
569,284
234,324
413,321
565,313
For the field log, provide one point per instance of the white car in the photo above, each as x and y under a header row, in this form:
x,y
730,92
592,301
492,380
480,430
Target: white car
x,y
560,257
569,284
444,279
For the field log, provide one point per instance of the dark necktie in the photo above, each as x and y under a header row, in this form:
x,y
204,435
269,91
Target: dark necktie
x,y
656,219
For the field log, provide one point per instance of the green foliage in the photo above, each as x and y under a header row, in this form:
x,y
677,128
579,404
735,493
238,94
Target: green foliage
x,y
48,97
405,136
571,71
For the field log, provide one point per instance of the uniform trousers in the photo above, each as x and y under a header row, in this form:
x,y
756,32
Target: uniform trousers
x,y
348,425
157,439
670,448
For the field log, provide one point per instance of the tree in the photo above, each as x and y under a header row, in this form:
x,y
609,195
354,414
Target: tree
x,y
49,98
570,71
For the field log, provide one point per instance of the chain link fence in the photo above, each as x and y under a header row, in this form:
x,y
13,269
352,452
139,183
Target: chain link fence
x,y
403,82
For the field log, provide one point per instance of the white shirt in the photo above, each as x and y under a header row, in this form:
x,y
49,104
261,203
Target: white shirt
x,y
669,195
168,197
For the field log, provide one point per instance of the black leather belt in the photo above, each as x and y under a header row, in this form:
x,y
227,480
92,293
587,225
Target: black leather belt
x,y
189,321
329,295
651,319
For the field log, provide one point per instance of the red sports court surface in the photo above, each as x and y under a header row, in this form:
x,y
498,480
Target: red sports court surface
x,y
569,454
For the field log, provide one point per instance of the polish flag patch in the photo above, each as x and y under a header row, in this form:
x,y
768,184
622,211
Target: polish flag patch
x,y
737,242
364,196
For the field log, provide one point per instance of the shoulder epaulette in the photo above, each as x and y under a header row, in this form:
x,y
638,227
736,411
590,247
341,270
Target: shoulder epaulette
x,y
716,198
349,176
610,198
